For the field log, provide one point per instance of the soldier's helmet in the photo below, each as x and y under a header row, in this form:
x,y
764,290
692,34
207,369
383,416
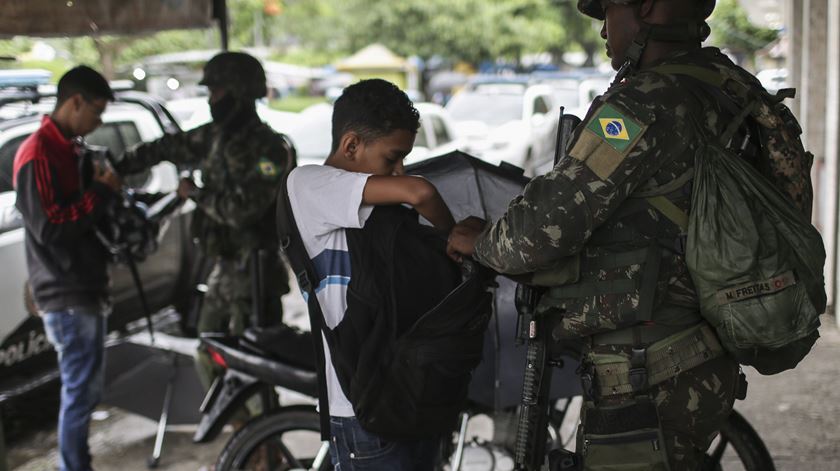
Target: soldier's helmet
x,y
241,73
595,8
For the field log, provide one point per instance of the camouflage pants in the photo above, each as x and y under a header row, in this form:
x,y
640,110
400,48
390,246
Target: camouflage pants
x,y
227,304
691,407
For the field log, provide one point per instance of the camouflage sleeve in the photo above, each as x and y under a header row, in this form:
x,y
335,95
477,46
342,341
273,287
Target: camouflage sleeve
x,y
247,197
182,148
621,144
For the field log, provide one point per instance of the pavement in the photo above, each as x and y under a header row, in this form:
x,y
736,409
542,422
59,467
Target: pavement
x,y
797,413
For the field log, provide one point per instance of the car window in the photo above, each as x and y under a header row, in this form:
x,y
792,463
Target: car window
x,y
441,133
117,137
568,98
7,162
540,106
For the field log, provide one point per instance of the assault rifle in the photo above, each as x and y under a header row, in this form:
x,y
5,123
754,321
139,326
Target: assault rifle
x,y
531,430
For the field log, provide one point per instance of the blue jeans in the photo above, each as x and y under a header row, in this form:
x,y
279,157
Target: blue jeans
x,y
353,448
78,335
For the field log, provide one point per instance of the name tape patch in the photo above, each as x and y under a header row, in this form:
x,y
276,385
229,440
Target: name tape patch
x,y
755,288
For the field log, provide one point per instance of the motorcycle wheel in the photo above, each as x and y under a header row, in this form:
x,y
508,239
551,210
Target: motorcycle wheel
x,y
283,440
752,454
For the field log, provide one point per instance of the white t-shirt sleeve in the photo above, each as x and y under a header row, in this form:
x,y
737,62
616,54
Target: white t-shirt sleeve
x,y
326,198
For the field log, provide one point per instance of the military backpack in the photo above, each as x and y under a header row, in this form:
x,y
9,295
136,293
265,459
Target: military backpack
x,y
754,257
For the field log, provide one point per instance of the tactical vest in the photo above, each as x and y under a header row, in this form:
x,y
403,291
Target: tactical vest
x,y
615,282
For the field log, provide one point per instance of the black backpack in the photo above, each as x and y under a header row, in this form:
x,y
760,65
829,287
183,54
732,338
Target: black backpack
x,y
414,327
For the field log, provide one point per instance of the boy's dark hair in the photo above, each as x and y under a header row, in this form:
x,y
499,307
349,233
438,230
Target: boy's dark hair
x,y
372,109
82,79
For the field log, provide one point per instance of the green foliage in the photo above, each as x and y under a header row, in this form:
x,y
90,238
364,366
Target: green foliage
x,y
295,103
57,67
461,30
15,46
732,29
318,32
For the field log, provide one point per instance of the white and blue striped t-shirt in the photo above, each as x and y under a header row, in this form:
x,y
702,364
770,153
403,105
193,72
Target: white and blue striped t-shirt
x,y
325,200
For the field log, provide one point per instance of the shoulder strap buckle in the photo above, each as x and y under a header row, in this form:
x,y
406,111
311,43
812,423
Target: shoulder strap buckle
x,y
638,370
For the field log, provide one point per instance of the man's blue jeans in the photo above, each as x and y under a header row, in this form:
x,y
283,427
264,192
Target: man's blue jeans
x,y
353,448
78,335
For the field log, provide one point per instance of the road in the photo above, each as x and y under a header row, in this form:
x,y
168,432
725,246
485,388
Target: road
x,y
796,412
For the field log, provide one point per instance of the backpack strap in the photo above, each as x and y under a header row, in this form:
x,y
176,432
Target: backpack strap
x,y
292,246
747,100
670,211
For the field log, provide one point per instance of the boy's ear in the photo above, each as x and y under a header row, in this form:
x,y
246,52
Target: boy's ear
x,y
349,145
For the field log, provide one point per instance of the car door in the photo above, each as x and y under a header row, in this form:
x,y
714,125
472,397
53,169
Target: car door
x,y
25,354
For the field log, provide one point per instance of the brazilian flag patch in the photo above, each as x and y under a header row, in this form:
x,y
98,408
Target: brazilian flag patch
x,y
615,128
267,168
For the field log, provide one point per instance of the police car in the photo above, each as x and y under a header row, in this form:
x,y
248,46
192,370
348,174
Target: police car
x,y
27,360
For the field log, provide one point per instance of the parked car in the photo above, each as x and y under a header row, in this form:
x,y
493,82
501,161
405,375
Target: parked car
x,y
505,120
574,90
311,134
27,360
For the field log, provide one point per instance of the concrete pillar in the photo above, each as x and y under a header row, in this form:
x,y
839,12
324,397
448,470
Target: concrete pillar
x,y
814,75
793,26
832,126
809,61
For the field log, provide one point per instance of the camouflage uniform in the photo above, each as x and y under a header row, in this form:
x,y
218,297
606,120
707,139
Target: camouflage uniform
x,y
239,172
636,139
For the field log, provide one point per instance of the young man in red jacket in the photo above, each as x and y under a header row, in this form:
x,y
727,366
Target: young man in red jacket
x,y
67,263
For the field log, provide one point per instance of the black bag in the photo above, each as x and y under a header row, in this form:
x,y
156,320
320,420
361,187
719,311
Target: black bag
x,y
414,327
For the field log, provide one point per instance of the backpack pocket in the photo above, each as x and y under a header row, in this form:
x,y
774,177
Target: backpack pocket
x,y
444,368
769,321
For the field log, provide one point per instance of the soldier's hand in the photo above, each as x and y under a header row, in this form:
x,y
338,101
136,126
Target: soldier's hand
x,y
461,242
103,173
186,188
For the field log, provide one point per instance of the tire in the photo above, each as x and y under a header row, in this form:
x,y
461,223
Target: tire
x,y
745,441
279,435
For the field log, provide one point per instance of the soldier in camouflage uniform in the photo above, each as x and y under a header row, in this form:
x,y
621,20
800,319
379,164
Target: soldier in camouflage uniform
x,y
241,160
611,216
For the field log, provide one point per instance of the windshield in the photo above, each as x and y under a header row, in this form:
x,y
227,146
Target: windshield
x,y
491,109
568,98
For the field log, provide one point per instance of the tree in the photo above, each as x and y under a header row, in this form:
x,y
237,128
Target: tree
x,y
580,32
733,30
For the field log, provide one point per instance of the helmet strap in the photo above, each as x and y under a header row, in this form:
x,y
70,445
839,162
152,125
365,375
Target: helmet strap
x,y
634,54
678,32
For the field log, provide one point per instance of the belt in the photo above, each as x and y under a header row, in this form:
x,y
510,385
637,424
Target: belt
x,y
614,374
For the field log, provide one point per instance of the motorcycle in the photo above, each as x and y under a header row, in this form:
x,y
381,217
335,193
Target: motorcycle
x,y
277,365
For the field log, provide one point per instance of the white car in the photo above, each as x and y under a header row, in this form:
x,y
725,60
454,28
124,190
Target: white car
x,y
311,134
506,122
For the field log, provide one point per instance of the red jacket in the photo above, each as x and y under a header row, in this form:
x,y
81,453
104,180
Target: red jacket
x,y
67,263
